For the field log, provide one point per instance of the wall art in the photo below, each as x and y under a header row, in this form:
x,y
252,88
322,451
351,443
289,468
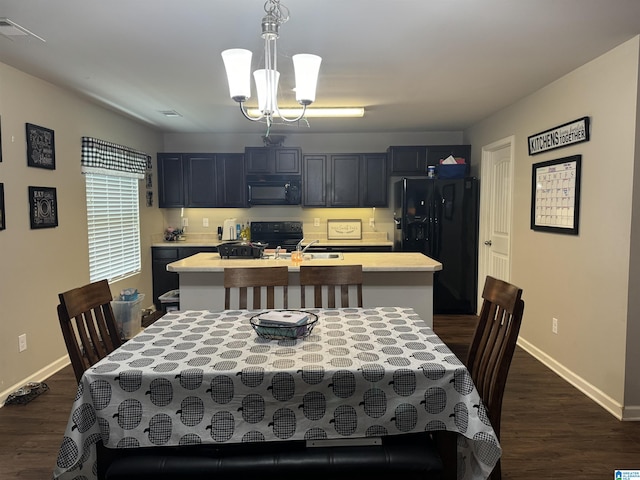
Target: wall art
x,y
41,148
3,224
570,133
43,207
344,229
555,195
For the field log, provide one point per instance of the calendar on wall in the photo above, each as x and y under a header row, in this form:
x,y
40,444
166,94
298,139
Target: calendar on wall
x,y
555,195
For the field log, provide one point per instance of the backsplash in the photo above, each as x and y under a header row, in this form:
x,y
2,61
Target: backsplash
x,y
214,217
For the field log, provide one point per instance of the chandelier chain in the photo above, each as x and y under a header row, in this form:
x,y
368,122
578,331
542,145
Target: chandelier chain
x,y
279,11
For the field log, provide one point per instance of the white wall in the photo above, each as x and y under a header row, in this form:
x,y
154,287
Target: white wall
x,y
583,280
36,265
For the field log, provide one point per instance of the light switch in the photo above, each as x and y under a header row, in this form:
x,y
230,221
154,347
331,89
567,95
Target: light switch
x,y
316,222
205,222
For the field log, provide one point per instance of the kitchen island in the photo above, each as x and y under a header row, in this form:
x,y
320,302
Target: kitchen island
x,y
401,279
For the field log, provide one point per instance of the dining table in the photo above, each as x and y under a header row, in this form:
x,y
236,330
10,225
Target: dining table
x,y
211,377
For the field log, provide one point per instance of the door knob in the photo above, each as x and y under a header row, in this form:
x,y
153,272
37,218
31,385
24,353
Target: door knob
x,y
488,243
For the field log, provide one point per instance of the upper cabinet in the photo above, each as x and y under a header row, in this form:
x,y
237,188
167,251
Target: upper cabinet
x,y
231,186
412,160
407,160
170,180
201,180
345,180
272,160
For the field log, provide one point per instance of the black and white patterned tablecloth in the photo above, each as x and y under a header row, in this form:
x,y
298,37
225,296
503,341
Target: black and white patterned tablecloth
x,y
206,377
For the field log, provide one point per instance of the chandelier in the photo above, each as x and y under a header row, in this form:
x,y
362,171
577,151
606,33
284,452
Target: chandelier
x,y
237,63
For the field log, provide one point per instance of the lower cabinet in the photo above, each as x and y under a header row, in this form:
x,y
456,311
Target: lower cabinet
x,y
164,281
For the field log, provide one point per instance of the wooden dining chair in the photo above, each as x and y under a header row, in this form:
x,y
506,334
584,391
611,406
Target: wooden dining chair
x,y
88,325
254,280
332,278
493,345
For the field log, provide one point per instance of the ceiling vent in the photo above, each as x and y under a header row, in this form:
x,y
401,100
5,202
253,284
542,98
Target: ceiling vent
x,y
170,113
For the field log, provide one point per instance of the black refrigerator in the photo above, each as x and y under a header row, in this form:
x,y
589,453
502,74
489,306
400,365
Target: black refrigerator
x,y
439,217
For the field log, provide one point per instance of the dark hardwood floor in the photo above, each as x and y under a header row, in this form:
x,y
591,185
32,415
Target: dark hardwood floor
x,y
549,429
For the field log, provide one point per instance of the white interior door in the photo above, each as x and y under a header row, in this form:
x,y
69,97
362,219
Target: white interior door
x,y
495,212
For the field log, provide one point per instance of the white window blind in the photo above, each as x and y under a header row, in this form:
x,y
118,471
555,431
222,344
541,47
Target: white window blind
x,y
114,226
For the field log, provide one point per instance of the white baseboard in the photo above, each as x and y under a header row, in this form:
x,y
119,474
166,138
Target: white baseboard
x,y
40,376
631,413
595,394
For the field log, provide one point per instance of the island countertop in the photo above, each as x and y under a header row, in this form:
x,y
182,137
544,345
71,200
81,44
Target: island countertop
x,y
371,262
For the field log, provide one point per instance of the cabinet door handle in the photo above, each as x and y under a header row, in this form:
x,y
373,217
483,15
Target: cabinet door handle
x,y
488,243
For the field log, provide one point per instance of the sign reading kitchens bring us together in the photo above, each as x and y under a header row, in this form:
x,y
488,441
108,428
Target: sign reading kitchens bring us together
x,y
567,134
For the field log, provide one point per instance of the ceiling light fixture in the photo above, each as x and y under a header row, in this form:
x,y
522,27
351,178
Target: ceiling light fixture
x,y
237,63
11,30
340,112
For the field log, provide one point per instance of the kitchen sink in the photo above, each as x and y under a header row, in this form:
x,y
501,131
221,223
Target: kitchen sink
x,y
308,256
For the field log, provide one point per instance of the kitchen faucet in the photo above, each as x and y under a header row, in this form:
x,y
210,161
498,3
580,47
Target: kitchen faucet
x,y
299,246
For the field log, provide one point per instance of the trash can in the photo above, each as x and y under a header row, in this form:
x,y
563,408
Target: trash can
x,y
170,301
128,315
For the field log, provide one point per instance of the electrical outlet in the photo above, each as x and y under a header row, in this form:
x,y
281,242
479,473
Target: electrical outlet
x,y
372,222
185,222
22,342
316,222
554,325
205,222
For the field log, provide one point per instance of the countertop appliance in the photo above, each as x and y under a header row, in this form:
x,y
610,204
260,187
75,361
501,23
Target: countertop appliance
x,y
241,249
229,229
439,217
274,190
284,234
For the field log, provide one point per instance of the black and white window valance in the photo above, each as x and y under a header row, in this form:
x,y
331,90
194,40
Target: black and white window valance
x,y
99,156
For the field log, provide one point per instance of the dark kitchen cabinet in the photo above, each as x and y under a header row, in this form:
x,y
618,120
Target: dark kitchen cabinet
x,y
230,172
272,160
170,180
407,160
374,180
164,281
314,180
344,180
412,160
201,180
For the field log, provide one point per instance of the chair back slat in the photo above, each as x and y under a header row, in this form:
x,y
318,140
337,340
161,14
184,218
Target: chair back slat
x,y
251,282
88,324
331,278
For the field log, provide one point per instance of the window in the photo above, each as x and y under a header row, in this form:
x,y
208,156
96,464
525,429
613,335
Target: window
x,y
114,226
112,173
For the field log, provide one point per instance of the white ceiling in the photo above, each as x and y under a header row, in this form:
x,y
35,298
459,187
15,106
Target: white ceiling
x,y
415,65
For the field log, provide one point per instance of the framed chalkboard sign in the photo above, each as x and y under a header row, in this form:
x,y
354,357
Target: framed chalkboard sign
x,y
41,148
43,207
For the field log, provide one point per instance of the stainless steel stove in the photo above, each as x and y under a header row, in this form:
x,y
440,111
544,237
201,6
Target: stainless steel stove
x,y
285,234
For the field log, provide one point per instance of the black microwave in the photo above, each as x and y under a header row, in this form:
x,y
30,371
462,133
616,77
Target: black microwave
x,y
274,190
